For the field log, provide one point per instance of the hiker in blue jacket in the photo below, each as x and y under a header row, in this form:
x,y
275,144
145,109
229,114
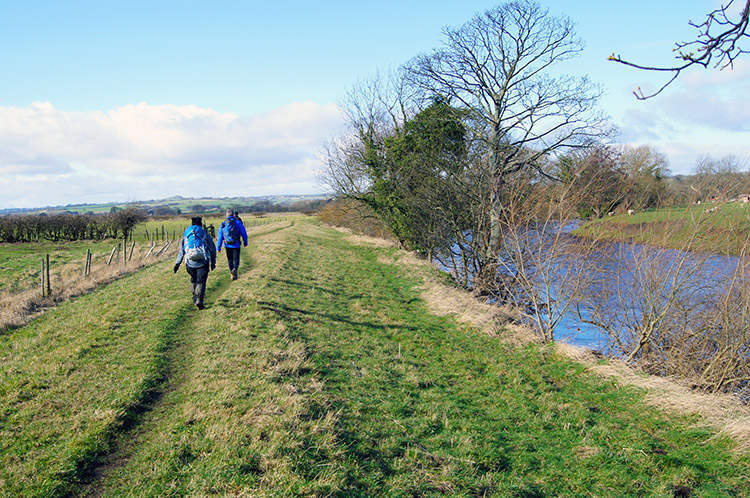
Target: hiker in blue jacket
x,y
198,249
232,233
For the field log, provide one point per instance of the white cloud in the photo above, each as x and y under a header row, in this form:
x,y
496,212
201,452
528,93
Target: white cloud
x,y
705,111
50,156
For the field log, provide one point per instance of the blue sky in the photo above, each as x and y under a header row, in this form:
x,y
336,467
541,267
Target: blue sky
x,y
124,101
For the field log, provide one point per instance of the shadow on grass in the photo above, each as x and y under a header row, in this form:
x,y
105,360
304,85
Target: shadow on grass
x,y
305,286
307,316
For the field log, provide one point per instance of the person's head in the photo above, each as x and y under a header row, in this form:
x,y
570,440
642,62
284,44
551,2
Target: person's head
x,y
236,214
197,220
229,213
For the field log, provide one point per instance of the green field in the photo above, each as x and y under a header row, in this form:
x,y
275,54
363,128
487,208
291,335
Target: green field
x,y
320,372
20,264
173,227
720,228
184,204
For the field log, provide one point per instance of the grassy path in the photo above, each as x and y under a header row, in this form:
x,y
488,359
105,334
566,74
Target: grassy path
x,y
320,373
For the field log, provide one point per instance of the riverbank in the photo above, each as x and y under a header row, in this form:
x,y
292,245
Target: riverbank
x,y
723,412
325,370
717,228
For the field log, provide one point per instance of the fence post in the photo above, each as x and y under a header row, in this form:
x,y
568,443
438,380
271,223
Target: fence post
x,y
43,277
49,286
111,255
86,263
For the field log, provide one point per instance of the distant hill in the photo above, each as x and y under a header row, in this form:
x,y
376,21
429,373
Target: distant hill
x,y
184,205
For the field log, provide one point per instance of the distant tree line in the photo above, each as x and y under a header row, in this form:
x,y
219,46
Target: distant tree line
x,y
620,178
69,227
268,206
262,206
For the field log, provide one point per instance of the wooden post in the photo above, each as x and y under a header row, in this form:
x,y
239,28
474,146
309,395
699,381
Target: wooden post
x,y
49,286
132,248
43,277
111,255
163,249
88,263
162,233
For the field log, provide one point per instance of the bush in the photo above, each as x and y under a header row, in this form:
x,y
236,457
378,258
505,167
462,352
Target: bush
x,y
353,215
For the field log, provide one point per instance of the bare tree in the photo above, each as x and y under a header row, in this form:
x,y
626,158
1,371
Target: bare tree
x,y
712,350
374,109
497,67
597,176
720,178
718,43
644,295
646,169
549,269
126,219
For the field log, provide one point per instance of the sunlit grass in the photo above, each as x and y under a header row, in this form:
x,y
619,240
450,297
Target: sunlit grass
x,y
721,228
21,263
320,372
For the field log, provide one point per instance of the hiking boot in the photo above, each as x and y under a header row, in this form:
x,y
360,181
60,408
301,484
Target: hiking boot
x,y
234,274
200,306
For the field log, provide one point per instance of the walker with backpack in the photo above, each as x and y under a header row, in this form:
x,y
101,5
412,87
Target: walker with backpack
x,y
195,245
230,231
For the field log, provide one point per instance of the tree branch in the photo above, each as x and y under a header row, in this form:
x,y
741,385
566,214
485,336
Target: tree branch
x,y
722,47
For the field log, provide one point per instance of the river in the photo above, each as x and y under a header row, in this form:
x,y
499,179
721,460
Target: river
x,y
619,274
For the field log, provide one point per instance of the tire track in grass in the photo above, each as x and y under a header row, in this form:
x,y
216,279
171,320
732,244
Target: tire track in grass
x,y
78,376
187,359
150,404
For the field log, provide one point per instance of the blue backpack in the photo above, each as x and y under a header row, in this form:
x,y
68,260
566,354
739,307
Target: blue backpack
x,y
195,245
229,227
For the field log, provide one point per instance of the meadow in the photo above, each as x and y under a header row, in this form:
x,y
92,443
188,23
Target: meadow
x,y
720,228
20,264
321,372
171,228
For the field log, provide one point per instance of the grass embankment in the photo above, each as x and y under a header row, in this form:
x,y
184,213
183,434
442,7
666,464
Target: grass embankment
x,y
320,373
718,228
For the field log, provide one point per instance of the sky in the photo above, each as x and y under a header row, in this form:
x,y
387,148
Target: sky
x,y
138,100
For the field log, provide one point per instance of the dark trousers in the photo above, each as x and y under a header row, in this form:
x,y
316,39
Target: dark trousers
x,y
198,277
233,258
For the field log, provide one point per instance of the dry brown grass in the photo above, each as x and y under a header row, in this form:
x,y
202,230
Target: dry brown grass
x,y
19,309
364,239
721,412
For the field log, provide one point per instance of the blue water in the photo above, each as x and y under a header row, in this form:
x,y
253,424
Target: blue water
x,y
616,266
